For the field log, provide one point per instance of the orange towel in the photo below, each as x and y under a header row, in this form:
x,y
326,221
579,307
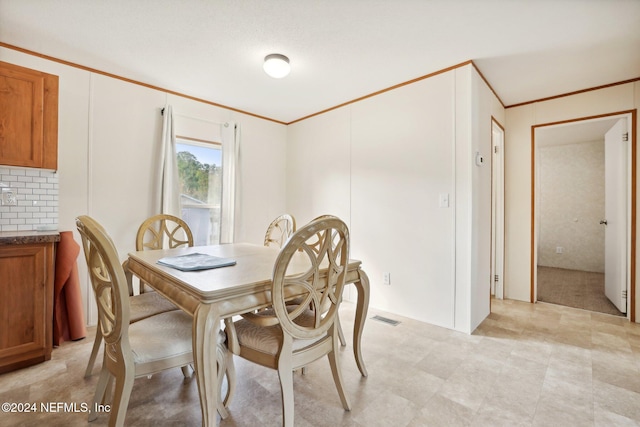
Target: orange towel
x,y
68,314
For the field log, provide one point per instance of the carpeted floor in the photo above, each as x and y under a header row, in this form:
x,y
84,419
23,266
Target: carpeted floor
x,y
572,288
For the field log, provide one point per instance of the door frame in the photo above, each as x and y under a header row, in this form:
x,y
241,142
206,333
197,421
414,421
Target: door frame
x,y
497,211
616,214
631,194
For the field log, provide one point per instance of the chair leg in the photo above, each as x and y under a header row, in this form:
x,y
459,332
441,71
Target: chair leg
x,y
98,398
108,394
343,342
94,351
285,372
186,371
337,374
142,287
121,396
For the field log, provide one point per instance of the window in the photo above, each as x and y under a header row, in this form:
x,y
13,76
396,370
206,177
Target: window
x,y
200,176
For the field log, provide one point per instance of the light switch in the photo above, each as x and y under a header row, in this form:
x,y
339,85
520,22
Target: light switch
x,y
444,200
386,278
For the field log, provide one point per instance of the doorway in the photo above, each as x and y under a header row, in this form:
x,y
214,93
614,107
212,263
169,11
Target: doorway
x,y
497,210
576,248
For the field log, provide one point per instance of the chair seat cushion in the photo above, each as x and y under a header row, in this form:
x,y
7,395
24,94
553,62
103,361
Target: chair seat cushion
x,y
148,304
161,336
266,339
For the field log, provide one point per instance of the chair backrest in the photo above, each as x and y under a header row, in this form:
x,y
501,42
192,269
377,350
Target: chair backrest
x,y
317,243
163,231
109,285
319,284
280,230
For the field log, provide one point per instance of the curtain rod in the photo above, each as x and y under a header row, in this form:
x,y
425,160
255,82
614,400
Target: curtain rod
x,y
226,124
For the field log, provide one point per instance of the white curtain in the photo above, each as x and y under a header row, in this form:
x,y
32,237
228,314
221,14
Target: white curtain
x,y
230,180
169,187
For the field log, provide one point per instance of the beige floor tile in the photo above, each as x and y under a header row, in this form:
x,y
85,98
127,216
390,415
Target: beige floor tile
x,y
557,413
617,400
526,365
388,410
604,418
500,413
472,381
440,412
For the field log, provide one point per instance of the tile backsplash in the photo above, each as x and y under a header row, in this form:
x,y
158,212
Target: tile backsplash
x,y
36,199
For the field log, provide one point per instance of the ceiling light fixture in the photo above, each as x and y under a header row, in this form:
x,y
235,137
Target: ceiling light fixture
x,y
276,65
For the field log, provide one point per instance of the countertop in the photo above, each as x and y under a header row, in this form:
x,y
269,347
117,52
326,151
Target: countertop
x,y
27,237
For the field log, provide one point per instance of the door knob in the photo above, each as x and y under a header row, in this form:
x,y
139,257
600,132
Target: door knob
x,y
603,221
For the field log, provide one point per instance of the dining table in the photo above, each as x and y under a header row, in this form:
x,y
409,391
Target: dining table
x,y
211,295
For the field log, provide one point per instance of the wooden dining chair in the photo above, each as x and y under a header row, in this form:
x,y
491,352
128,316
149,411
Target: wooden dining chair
x,y
156,232
279,231
137,349
286,337
315,244
162,231
140,307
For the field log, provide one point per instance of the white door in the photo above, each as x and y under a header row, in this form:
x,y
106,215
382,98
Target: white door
x,y
497,211
615,221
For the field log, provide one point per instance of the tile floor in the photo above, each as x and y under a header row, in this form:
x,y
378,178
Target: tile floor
x,y
526,365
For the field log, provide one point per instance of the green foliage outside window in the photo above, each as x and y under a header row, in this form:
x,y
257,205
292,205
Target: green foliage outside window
x,y
194,176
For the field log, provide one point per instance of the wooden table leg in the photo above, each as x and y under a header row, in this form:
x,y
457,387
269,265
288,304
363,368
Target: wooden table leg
x,y
206,325
362,285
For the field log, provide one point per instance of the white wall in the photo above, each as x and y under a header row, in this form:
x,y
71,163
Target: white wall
x,y
519,121
123,135
109,131
570,204
382,164
402,148
485,106
319,166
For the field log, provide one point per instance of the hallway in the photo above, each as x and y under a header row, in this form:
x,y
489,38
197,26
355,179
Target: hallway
x,y
572,288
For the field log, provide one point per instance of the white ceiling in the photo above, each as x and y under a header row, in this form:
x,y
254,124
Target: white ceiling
x,y
340,50
575,132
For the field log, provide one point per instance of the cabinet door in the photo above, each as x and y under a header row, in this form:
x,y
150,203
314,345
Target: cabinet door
x,y
26,298
28,117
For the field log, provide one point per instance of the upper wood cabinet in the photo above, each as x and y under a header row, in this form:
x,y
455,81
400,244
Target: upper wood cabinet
x,y
28,117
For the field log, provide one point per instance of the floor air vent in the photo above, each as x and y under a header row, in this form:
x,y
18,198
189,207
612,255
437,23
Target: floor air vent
x,y
386,320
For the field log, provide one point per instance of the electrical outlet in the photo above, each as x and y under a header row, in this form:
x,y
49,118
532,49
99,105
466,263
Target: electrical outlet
x,y
9,197
559,250
386,278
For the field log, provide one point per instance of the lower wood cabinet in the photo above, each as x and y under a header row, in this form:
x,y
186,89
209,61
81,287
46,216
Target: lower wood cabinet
x,y
26,304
